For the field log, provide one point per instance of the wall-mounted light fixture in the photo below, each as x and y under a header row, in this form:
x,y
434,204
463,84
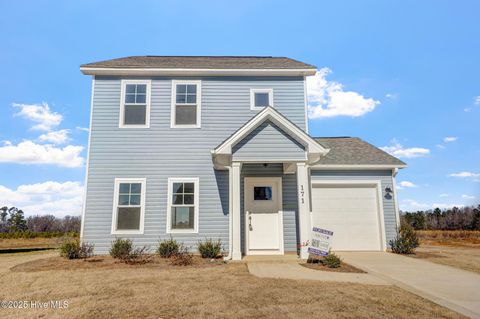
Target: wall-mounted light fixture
x,y
388,190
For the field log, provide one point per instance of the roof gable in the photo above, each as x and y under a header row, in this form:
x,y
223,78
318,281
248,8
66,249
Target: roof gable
x,y
314,150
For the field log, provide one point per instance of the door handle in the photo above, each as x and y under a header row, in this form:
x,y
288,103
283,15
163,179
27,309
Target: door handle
x,y
250,223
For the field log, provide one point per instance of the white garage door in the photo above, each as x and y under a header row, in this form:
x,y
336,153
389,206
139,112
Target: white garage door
x,y
351,212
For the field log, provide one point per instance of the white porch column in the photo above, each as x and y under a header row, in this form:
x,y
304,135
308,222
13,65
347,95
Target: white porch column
x,y
303,188
236,238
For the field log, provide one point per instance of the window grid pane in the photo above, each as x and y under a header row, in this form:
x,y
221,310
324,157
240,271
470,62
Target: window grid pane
x,y
130,194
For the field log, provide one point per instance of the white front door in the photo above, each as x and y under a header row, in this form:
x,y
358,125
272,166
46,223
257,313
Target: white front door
x,y
263,215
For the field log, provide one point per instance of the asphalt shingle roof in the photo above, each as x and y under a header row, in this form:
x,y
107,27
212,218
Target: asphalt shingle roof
x,y
354,151
202,62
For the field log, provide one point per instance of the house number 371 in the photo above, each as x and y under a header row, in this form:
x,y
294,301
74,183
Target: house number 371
x,y
302,194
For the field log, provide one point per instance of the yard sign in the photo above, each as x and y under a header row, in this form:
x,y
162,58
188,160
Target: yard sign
x,y
321,239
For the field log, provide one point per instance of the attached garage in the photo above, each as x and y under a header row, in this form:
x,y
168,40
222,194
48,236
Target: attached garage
x,y
353,211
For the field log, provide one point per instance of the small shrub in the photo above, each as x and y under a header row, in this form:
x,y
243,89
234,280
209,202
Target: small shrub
x,y
72,249
138,256
405,242
210,248
121,248
182,258
331,260
86,250
168,247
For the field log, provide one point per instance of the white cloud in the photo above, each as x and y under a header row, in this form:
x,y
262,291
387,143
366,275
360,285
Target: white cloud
x,y
55,137
407,184
468,196
40,114
84,129
410,204
449,139
50,197
397,150
440,146
467,109
28,152
392,96
477,100
465,175
328,98
444,195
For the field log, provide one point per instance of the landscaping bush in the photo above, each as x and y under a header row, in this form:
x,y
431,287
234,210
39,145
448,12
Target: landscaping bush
x,y
168,247
182,258
137,256
121,248
331,260
72,249
405,242
210,248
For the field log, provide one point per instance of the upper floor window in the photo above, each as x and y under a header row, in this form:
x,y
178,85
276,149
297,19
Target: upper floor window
x,y
260,98
186,104
135,104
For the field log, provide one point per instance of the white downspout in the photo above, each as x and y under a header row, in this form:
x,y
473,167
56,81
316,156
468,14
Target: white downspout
x,y
230,224
395,202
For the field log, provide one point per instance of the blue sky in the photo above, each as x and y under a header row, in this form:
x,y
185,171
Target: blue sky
x,y
403,75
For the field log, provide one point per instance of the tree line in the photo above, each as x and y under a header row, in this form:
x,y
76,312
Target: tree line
x,y
12,220
456,218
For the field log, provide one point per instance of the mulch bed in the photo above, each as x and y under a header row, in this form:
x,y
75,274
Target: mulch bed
x,y
107,262
344,267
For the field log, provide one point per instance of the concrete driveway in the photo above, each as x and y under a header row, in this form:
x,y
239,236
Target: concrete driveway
x,y
454,288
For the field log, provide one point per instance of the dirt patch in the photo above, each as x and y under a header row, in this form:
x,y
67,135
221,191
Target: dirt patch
x,y
453,238
107,262
344,267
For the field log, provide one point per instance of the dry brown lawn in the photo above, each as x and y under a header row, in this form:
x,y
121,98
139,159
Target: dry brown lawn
x,y
344,267
458,248
210,291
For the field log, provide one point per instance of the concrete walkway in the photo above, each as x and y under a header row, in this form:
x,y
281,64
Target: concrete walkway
x,y
454,288
289,268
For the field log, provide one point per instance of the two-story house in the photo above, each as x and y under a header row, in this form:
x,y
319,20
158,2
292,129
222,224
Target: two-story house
x,y
198,147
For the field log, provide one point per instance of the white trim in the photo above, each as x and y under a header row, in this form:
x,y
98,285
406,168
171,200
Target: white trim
x,y
269,91
235,191
305,99
198,83
196,202
84,207
313,149
118,181
253,180
122,104
353,167
194,72
371,182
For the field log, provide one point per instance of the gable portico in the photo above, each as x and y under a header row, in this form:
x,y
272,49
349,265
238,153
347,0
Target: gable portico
x,y
267,139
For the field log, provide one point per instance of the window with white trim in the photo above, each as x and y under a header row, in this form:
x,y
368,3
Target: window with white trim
x,y
135,103
186,104
129,205
182,214
260,98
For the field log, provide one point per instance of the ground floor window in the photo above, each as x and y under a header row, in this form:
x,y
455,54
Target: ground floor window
x,y
129,205
182,211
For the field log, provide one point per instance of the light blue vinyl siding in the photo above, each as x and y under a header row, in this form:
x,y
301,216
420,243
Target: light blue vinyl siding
x,y
268,142
289,201
160,152
386,180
